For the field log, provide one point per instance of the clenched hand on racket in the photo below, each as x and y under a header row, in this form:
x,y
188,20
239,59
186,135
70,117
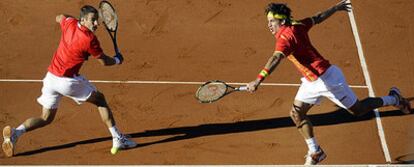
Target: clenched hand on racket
x,y
252,86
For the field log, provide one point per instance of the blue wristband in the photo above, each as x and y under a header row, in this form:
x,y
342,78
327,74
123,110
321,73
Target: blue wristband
x,y
117,61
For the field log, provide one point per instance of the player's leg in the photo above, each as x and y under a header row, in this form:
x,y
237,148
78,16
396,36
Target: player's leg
x,y
11,135
308,95
394,98
48,115
301,120
299,116
84,91
98,99
365,106
340,93
120,141
49,100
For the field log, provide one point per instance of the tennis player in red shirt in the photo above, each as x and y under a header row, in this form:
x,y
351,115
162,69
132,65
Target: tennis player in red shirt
x,y
320,78
77,43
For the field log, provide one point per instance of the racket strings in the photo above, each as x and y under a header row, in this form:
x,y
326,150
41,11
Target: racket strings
x,y
211,92
109,16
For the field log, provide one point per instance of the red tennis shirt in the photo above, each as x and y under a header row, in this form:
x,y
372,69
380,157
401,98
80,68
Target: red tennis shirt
x,y
293,41
76,43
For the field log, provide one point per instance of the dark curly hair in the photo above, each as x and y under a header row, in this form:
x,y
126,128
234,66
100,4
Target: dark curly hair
x,y
279,8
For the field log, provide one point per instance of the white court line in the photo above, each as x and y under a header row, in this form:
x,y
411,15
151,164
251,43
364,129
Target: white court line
x,y
369,84
169,82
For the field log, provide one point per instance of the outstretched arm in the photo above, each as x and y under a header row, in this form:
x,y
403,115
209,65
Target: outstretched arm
x,y
341,6
270,66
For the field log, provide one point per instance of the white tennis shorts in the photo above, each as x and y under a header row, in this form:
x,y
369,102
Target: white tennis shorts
x,y
332,85
78,88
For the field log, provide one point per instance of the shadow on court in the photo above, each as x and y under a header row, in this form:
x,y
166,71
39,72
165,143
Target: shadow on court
x,y
331,118
405,159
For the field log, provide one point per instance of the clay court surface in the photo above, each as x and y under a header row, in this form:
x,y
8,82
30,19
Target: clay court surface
x,y
195,41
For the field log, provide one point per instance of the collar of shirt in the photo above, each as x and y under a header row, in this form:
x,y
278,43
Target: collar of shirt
x,y
281,29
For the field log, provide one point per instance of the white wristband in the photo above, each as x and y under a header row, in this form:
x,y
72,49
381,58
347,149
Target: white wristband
x,y
117,61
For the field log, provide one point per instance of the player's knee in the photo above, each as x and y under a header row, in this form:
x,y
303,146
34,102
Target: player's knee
x,y
48,117
100,99
297,118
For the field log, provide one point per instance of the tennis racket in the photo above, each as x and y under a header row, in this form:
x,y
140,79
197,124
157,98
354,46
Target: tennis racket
x,y
212,91
110,21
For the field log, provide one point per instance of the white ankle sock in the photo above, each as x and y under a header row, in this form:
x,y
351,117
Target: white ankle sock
x,y
389,100
20,130
312,144
114,132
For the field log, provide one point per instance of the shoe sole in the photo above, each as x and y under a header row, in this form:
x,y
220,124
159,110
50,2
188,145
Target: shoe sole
x,y
128,146
7,143
319,161
313,162
322,158
115,150
404,105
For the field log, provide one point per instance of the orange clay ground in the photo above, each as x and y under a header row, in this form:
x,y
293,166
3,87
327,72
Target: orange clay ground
x,y
200,40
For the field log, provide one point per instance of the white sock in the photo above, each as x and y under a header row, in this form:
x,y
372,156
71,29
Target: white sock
x,y
114,132
389,100
312,144
20,130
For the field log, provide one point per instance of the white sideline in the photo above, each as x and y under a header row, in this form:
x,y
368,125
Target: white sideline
x,y
169,82
356,165
369,84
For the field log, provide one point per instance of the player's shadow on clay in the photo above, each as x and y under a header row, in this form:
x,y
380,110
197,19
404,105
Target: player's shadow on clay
x,y
405,159
339,116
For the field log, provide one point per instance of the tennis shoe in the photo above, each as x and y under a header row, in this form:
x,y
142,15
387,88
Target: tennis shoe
x,y
313,158
122,142
9,141
402,104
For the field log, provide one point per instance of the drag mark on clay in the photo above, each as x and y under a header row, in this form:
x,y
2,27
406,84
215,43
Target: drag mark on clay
x,y
160,24
185,52
276,103
160,92
213,16
249,51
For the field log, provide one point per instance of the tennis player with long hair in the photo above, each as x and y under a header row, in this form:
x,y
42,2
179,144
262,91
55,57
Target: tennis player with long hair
x,y
77,43
320,77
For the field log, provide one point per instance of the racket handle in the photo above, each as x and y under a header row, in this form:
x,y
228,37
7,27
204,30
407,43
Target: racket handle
x,y
242,88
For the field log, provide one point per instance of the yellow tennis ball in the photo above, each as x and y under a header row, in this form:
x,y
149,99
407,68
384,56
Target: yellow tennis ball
x,y
114,150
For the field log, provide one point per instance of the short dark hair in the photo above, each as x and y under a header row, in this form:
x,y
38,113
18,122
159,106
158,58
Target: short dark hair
x,y
86,10
279,8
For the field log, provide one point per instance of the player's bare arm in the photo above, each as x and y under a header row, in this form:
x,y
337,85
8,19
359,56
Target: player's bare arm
x,y
274,61
109,61
322,16
270,66
59,17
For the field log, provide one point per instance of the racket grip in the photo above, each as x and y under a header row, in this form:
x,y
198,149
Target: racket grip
x,y
242,88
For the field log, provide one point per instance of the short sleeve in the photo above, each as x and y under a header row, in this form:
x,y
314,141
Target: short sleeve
x,y
285,45
65,20
95,48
